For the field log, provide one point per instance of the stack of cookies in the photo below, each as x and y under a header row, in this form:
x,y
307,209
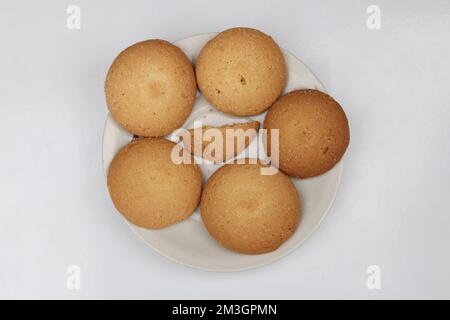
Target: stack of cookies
x,y
151,90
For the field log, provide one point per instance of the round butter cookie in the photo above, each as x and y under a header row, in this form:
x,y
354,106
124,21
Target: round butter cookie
x,y
249,212
313,132
150,190
150,88
241,71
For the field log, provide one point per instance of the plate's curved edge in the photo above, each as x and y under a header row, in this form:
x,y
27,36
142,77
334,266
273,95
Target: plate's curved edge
x,y
135,229
294,57
203,34
104,169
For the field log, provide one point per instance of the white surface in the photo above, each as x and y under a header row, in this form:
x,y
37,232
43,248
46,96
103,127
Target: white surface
x,y
392,207
188,242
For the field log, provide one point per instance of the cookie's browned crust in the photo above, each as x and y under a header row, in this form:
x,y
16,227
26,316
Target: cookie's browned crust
x,y
241,71
148,188
313,129
244,132
248,212
150,88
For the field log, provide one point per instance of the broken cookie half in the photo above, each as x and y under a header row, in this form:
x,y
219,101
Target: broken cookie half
x,y
219,144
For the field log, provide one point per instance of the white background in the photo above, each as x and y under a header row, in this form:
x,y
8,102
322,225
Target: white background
x,y
392,208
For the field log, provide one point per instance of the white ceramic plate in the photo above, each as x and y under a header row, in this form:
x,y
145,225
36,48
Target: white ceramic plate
x,y
188,242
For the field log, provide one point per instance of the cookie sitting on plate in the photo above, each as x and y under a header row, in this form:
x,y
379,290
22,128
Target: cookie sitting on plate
x,y
219,144
150,88
313,132
247,211
241,71
148,188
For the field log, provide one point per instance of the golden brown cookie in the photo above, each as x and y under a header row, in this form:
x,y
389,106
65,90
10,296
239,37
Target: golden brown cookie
x,y
150,88
313,132
241,71
233,140
248,212
148,188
